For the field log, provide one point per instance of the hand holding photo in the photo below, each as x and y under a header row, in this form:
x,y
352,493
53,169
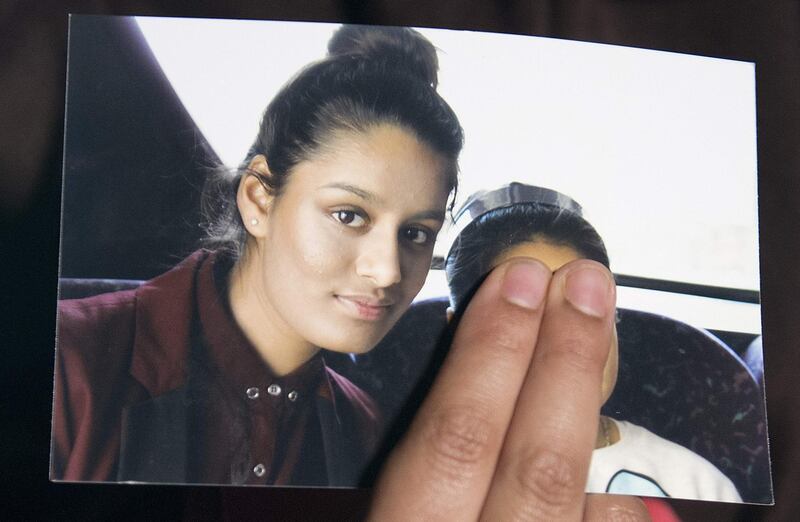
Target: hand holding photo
x,y
522,221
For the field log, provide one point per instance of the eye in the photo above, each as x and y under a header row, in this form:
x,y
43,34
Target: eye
x,y
416,235
349,218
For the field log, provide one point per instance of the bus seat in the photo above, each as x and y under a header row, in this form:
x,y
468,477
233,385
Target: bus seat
x,y
77,288
754,359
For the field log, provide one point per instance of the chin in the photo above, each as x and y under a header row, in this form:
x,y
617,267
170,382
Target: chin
x,y
352,347
344,334
347,342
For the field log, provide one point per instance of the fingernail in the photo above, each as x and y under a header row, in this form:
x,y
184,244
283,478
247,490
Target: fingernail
x,y
525,284
587,289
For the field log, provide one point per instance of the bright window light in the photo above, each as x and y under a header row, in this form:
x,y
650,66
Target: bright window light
x,y
659,148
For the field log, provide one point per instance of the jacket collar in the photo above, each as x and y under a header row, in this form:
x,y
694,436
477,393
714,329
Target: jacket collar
x,y
165,308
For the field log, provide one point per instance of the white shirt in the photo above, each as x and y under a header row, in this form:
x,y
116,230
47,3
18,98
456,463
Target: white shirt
x,y
644,464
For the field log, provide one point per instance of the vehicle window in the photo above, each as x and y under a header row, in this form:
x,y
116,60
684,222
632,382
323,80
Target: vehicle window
x,y
659,148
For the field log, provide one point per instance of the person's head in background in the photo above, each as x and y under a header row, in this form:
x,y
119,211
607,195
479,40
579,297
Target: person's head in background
x,y
521,221
332,216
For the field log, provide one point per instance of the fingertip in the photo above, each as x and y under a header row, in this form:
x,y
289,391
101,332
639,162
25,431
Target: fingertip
x,y
588,287
525,282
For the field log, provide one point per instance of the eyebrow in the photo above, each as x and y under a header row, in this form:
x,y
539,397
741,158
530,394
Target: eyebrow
x,y
363,194
437,215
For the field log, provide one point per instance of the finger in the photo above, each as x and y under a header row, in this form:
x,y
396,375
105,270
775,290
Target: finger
x,y
615,508
443,466
541,474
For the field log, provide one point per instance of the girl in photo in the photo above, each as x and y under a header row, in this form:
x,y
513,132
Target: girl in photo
x,y
214,372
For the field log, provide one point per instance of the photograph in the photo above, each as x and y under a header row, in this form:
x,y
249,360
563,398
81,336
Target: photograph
x,y
271,232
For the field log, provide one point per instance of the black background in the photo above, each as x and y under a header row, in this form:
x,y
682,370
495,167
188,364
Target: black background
x,y
32,72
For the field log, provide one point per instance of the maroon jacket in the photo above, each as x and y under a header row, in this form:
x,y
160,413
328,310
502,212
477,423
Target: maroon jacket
x,y
122,365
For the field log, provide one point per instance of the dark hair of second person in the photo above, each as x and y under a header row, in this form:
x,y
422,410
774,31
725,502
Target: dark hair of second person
x,y
475,250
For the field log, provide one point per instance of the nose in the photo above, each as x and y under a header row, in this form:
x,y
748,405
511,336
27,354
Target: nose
x,y
379,259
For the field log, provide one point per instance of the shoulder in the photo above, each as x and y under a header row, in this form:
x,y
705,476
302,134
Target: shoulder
x,y
93,312
94,347
90,327
703,479
642,442
145,326
639,439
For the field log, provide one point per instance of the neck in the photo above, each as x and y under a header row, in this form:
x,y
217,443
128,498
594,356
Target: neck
x,y
276,341
607,433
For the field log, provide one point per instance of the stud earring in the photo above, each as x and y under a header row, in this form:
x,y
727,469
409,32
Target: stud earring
x,y
254,221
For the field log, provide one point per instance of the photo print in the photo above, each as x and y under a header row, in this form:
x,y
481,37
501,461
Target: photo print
x,y
254,296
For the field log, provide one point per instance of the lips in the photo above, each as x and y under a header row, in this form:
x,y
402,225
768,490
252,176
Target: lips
x,y
364,307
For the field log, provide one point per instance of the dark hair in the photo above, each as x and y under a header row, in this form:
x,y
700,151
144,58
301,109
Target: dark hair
x,y
371,76
475,249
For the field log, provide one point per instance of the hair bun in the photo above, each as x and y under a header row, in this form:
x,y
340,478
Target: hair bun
x,y
398,48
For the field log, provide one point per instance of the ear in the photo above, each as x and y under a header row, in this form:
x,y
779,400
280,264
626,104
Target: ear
x,y
450,313
253,198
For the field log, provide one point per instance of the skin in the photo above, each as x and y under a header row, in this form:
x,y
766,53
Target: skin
x,y
554,257
503,433
335,259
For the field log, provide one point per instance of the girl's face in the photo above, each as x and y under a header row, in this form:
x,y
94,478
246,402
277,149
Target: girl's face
x,y
348,243
555,256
